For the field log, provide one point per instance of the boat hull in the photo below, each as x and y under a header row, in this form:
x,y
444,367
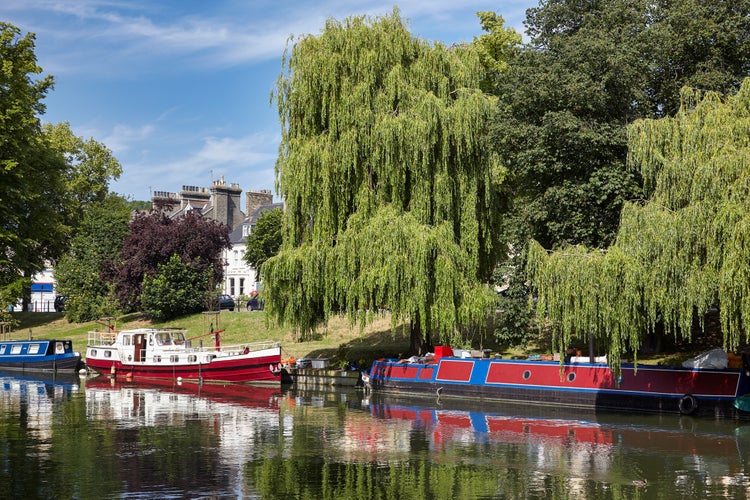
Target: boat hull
x,y
259,369
589,385
51,364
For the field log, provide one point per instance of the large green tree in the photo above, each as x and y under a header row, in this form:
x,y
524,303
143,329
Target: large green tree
x,y
94,247
682,251
32,216
388,181
590,68
90,166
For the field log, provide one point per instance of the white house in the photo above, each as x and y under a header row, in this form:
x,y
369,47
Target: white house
x,y
240,278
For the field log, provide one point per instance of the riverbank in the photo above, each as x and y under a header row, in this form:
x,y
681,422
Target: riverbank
x,y
338,342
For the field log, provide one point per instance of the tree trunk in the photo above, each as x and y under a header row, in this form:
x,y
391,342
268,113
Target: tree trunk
x,y
419,343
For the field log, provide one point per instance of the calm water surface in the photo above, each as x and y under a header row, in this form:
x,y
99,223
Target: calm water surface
x,y
93,439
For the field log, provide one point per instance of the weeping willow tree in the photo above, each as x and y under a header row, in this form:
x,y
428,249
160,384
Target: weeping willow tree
x,y
388,183
684,250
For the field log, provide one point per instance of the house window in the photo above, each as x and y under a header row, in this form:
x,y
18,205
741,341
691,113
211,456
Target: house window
x,y
231,287
242,286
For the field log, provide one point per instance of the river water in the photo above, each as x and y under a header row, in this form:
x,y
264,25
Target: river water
x,y
76,438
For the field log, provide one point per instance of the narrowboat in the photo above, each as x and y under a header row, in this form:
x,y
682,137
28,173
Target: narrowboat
x,y
166,353
575,382
39,355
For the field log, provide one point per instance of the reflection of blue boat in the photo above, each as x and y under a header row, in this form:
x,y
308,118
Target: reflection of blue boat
x,y
40,355
43,388
514,424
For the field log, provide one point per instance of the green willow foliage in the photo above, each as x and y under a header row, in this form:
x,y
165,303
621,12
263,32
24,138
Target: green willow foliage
x,y
683,251
387,180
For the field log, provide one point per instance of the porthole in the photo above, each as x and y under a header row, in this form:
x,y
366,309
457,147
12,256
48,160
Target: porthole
x,y
93,353
107,354
527,375
571,377
174,359
157,359
192,358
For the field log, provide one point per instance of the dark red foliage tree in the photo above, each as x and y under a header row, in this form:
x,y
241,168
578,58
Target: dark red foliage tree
x,y
154,238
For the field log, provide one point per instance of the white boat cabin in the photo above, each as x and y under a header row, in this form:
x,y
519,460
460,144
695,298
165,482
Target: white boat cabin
x,y
153,346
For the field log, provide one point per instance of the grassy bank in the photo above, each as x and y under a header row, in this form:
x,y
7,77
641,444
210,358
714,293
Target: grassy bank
x,y
339,341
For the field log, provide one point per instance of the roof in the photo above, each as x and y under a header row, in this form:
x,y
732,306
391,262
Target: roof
x,y
237,236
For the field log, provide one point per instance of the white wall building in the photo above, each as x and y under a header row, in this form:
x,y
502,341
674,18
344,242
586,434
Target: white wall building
x,y
240,278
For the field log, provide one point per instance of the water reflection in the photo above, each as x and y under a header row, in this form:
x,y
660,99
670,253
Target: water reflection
x,y
67,439
184,439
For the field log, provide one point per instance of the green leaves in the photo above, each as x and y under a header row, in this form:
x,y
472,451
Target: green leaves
x,y
265,239
680,253
176,289
387,179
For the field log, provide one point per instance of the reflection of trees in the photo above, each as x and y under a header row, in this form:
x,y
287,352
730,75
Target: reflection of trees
x,y
313,477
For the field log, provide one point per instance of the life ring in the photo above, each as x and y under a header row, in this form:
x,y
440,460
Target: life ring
x,y
688,404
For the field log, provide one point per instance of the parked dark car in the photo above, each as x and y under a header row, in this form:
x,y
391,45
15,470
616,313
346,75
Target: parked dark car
x,y
226,302
60,303
255,304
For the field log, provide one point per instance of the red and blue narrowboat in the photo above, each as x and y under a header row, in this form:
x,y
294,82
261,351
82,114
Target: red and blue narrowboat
x,y
637,388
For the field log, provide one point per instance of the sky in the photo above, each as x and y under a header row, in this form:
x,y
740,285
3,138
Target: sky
x,y
179,90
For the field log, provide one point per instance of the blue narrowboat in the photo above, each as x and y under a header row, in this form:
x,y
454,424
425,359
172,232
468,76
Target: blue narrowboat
x,y
40,355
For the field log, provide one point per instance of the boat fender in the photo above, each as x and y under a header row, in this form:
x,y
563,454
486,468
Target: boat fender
x,y
688,404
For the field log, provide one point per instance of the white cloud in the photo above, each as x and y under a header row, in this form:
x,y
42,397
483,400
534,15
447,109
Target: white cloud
x,y
123,137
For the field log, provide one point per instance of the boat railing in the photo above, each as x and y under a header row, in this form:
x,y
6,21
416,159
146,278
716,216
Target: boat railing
x,y
101,337
249,346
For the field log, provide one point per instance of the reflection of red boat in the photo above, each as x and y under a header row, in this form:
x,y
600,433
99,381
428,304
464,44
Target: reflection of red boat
x,y
592,385
155,353
239,394
476,426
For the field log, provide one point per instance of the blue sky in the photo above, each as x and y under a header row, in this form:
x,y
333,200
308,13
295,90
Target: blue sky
x,y
179,89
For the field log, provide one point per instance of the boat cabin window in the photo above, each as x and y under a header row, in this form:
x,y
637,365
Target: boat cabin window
x,y
2,348
34,349
127,340
16,349
163,338
178,338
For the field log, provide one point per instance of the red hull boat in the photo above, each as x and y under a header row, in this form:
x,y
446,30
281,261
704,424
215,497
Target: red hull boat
x,y
153,353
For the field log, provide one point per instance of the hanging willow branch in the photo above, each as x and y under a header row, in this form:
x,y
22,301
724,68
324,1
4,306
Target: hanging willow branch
x,y
686,250
386,178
